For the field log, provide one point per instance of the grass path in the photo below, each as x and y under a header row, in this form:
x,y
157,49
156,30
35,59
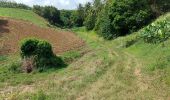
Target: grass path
x,y
105,72
108,86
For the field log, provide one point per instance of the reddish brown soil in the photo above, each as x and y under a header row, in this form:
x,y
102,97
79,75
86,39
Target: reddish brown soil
x,y
13,31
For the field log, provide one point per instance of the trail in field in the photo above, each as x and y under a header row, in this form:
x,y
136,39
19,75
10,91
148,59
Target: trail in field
x,y
122,79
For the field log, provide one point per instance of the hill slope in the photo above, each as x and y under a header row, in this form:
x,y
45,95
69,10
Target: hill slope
x,y
108,70
26,15
13,31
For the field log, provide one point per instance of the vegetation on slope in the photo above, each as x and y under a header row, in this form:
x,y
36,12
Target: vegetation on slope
x,y
108,70
22,14
9,4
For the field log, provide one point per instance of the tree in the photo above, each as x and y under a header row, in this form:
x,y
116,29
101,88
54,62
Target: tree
x,y
87,8
124,16
90,20
38,10
92,14
80,15
66,18
52,14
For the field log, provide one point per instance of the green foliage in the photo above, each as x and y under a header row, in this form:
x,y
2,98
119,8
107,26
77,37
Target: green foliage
x,y
92,13
103,26
122,17
44,49
29,47
90,20
156,32
37,9
50,13
6,4
42,53
66,18
80,15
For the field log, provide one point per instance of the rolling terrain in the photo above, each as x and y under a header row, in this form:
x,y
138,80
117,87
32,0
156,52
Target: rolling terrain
x,y
22,14
13,31
106,70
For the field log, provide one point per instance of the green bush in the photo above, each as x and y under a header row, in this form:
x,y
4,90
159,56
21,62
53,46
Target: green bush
x,y
42,53
44,49
156,32
29,47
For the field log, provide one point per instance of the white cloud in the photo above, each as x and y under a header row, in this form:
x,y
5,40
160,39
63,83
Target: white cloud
x,y
60,4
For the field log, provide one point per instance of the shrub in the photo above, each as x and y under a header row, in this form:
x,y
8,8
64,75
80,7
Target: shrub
x,y
29,47
156,32
44,49
41,52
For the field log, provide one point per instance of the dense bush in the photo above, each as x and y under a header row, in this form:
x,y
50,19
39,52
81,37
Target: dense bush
x,y
41,52
6,4
29,47
124,16
156,32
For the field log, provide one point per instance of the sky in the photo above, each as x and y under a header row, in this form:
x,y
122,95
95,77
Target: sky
x,y
60,4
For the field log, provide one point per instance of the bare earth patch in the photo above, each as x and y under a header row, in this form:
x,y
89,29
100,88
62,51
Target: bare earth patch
x,y
13,31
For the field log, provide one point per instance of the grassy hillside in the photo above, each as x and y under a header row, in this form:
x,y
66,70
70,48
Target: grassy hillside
x,y
103,70
27,15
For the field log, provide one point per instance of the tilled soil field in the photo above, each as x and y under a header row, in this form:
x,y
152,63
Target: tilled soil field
x,y
13,31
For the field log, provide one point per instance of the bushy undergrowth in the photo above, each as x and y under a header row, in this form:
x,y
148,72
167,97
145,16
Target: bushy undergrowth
x,y
156,32
6,4
41,53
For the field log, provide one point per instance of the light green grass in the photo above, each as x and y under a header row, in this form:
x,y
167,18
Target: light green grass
x,y
107,71
22,14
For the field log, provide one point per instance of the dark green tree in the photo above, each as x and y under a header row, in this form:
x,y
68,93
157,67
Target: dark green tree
x,y
52,14
125,16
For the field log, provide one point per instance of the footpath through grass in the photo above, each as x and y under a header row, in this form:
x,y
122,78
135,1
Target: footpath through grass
x,y
106,70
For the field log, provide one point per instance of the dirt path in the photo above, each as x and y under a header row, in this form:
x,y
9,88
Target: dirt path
x,y
141,80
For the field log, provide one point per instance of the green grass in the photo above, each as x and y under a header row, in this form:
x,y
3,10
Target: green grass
x,y
22,14
102,70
